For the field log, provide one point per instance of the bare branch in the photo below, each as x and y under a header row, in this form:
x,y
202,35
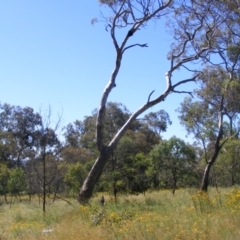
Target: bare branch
x,y
140,22
150,95
190,93
117,15
134,45
120,13
131,11
193,79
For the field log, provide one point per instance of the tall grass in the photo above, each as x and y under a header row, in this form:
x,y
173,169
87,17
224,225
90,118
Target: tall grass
x,y
189,214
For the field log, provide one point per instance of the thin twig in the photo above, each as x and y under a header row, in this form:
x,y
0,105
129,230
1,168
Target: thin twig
x,y
134,45
150,95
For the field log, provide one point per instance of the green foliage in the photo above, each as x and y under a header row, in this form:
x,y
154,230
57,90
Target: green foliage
x,y
138,180
227,167
127,170
172,161
234,53
158,121
17,182
4,178
74,177
18,132
201,117
76,154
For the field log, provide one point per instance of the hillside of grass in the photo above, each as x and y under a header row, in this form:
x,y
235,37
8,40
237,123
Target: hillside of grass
x,y
189,214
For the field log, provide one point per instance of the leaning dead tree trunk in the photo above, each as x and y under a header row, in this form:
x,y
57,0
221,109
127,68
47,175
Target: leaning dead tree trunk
x,y
127,15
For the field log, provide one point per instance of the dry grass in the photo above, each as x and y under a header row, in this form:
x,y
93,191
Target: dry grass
x,y
158,215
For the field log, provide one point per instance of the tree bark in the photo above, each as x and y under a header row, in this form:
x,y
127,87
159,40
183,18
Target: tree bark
x,y
93,176
217,148
205,180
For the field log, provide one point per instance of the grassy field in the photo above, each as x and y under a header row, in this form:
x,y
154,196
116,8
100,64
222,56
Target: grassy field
x,y
189,214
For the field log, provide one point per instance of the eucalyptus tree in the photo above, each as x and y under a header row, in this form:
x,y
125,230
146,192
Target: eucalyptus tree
x,y
173,161
133,16
158,121
4,178
17,183
218,93
207,117
228,165
127,170
74,177
18,129
79,141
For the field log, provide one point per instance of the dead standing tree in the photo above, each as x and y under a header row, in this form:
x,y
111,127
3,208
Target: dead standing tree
x,y
134,15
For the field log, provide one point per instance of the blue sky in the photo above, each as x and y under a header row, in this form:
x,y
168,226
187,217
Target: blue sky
x,y
50,54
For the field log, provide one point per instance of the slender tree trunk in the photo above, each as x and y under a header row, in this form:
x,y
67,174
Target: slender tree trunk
x,y
217,148
44,181
114,179
174,185
232,177
205,179
93,176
